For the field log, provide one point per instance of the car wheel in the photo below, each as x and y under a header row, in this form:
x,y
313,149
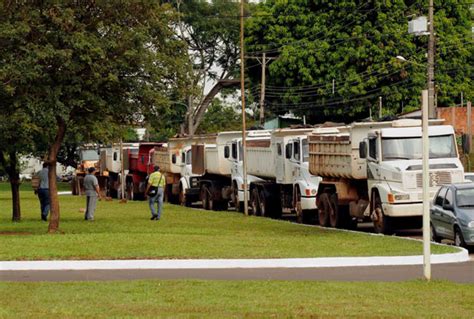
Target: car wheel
x,y
458,238
434,236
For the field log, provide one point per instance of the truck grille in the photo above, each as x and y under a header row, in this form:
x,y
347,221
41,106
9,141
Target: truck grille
x,y
436,179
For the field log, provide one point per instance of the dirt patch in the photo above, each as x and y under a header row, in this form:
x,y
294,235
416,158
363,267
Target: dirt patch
x,y
14,233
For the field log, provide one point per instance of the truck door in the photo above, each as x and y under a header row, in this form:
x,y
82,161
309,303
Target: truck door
x,y
279,161
296,159
373,172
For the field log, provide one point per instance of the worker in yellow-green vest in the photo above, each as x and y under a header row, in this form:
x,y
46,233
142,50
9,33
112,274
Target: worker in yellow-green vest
x,y
155,192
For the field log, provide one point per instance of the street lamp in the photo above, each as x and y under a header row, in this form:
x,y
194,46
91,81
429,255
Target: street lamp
x,y
425,176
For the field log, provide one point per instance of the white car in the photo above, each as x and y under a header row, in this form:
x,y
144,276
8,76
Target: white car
x,y
469,177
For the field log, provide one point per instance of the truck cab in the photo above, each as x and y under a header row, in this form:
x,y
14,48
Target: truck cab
x,y
394,169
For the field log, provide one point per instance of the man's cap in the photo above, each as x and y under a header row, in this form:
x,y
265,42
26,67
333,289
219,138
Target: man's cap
x,y
91,169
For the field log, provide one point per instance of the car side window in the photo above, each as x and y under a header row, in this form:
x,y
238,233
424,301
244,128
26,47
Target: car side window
x,y
440,196
448,200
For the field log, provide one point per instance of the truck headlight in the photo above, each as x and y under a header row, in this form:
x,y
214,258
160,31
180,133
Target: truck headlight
x,y
471,224
397,197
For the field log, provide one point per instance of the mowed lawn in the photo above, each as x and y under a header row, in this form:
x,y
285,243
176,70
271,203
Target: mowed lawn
x,y
236,299
124,231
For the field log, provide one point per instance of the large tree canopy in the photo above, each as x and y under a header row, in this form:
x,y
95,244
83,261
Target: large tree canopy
x,y
334,59
87,66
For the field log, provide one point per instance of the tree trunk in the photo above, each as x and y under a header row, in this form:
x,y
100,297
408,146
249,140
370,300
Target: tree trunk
x,y
14,177
53,189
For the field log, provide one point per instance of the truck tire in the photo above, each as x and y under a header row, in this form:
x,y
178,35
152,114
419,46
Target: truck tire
x,y
204,194
382,223
336,216
183,201
239,206
263,204
254,202
298,209
324,207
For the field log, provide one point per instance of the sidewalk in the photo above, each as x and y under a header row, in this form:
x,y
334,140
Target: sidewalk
x,y
461,256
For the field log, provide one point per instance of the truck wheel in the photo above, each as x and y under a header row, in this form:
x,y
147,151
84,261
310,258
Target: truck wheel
x,y
239,207
458,239
381,222
205,197
336,215
183,201
262,200
298,209
254,202
324,207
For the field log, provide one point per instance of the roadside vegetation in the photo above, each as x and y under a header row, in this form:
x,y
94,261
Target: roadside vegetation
x,y
124,231
237,299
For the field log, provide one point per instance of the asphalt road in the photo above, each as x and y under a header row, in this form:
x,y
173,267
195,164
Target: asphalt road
x,y
457,272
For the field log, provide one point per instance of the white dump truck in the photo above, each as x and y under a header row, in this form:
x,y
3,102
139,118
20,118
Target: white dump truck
x,y
285,184
210,161
175,160
373,171
110,165
234,155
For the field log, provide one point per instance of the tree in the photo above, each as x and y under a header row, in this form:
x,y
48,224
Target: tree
x,y
211,31
87,66
333,60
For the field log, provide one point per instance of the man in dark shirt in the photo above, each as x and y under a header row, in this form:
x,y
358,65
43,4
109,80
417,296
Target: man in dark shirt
x,y
43,192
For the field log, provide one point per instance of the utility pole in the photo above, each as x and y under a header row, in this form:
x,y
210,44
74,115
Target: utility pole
x,y
469,126
380,107
242,92
431,41
262,89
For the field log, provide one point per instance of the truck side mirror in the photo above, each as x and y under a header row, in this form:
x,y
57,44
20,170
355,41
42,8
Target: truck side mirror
x,y
363,149
288,151
226,151
173,158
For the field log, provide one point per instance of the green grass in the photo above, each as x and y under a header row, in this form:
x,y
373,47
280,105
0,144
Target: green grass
x,y
237,299
124,231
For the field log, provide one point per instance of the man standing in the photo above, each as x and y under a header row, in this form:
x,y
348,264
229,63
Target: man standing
x,y
43,192
155,191
91,187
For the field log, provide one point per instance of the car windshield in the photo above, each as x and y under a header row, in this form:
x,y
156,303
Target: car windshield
x,y
465,197
411,148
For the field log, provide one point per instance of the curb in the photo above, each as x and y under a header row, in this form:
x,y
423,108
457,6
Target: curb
x,y
460,256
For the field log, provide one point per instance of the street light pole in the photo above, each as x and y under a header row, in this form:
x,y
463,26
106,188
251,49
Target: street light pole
x,y
242,92
426,190
431,41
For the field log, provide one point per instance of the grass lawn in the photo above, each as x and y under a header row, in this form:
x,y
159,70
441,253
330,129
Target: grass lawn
x,y
124,231
236,299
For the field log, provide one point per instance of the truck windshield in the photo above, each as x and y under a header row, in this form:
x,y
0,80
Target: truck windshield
x,y
305,150
411,147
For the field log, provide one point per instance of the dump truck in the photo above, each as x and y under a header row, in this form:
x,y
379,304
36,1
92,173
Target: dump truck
x,y
88,157
285,184
140,165
372,171
212,170
175,160
112,160
233,152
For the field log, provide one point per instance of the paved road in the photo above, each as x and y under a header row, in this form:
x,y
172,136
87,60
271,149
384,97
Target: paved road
x,y
458,272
